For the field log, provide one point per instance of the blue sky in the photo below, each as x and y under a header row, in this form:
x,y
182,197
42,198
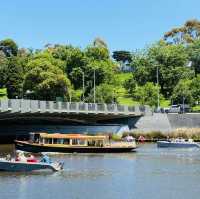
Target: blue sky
x,y
123,24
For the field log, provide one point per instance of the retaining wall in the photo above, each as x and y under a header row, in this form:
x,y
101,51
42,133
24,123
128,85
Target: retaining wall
x,y
167,122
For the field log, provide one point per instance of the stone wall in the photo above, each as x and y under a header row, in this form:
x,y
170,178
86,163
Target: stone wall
x,y
166,122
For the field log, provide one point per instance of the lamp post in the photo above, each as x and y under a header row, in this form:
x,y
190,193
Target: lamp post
x,y
183,111
94,86
158,97
83,84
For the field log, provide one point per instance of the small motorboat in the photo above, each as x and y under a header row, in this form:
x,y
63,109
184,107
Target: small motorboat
x,y
22,165
178,143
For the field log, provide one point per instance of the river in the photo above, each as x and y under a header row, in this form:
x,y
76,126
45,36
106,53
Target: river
x,y
150,173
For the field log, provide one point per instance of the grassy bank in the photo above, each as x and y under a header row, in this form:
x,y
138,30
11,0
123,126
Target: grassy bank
x,y
193,133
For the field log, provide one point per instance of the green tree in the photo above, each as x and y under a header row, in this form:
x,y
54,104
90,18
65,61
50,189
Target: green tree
x,y
183,93
97,53
46,81
147,94
122,56
14,78
171,61
195,88
9,47
3,68
105,93
194,55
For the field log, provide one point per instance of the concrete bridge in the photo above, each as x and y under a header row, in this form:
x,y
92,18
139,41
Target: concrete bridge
x,y
13,109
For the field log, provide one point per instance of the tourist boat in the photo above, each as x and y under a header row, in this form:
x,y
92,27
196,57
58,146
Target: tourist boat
x,y
178,143
18,166
73,143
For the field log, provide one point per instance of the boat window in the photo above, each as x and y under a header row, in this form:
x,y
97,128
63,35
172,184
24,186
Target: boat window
x,y
74,141
91,143
99,143
55,141
60,141
66,141
48,141
81,142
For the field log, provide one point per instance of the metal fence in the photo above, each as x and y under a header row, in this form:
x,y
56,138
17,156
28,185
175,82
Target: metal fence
x,y
32,106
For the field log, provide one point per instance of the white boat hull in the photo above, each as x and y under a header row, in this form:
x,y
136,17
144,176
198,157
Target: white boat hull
x,y
177,144
26,166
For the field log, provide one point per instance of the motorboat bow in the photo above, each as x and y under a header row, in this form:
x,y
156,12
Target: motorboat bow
x,y
178,143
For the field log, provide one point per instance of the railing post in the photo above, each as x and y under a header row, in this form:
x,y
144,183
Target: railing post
x,y
86,108
95,108
51,108
126,111
60,107
115,109
105,108
137,110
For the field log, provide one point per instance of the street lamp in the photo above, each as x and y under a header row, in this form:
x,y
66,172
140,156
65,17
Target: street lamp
x,y
158,97
83,84
183,105
94,86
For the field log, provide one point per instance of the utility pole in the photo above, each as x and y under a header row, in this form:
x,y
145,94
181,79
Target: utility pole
x,y
183,105
83,79
94,87
158,97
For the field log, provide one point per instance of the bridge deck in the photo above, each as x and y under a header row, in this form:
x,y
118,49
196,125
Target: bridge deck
x,y
10,108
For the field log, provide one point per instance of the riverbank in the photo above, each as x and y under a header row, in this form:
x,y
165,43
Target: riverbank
x,y
153,136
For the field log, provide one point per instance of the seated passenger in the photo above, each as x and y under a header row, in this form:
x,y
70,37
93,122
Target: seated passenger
x,y
20,157
46,159
31,158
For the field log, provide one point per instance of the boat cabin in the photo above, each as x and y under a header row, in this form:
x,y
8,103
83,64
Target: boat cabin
x,y
69,139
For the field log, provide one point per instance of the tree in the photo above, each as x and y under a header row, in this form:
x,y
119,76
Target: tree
x,y
3,67
122,56
195,88
46,80
72,56
97,53
105,93
193,50
182,92
98,42
171,61
147,94
9,47
14,78
186,34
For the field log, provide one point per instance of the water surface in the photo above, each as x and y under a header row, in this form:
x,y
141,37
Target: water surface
x,y
150,173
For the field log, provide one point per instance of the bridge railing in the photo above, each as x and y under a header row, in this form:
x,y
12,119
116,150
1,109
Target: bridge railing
x,y
32,106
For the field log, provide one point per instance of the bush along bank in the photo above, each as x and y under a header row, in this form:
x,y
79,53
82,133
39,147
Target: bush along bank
x,y
153,136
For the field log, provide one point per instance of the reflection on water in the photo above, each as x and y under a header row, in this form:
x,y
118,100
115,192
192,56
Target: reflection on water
x,y
148,173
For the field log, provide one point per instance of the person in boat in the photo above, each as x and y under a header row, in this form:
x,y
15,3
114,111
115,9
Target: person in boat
x,y
21,157
46,159
8,157
141,139
129,138
31,158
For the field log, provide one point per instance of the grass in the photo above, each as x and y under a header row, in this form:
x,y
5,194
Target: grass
x,y
3,93
165,103
196,108
123,97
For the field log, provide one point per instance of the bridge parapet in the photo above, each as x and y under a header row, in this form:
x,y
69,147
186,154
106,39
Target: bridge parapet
x,y
36,106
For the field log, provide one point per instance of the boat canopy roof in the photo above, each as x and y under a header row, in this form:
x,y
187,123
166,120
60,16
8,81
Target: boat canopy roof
x,y
72,136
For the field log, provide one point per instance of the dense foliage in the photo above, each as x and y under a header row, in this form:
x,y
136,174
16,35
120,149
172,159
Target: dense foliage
x,y
169,67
